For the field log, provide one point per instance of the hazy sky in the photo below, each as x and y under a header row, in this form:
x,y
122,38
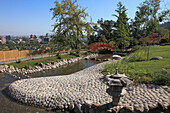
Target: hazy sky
x,y
25,17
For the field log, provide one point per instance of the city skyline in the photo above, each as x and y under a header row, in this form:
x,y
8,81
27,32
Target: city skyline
x,y
22,18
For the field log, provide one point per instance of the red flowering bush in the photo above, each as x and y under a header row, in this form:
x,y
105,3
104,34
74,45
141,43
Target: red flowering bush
x,y
99,46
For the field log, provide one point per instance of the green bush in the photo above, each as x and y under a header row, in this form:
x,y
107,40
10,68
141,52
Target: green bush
x,y
37,63
162,78
57,54
59,57
123,67
135,48
137,56
26,66
72,53
18,61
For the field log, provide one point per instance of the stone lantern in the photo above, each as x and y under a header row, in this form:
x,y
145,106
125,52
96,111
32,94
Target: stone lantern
x,y
117,84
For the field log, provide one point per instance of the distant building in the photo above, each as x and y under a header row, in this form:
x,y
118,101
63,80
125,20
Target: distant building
x,y
8,37
38,40
47,39
33,36
2,40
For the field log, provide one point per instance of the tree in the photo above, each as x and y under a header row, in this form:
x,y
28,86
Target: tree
x,y
164,34
71,25
121,25
154,38
147,18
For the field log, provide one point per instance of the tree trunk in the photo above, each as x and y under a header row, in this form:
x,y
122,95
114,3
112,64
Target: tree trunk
x,y
148,54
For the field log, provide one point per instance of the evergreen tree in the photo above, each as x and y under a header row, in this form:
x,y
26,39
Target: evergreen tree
x,y
121,25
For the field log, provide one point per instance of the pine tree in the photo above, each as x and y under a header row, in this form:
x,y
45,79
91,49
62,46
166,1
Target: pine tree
x,y
122,32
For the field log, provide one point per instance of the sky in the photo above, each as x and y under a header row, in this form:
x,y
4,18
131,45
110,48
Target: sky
x,y
26,17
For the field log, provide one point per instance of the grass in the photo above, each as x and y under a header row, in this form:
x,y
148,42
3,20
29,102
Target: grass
x,y
155,65
44,60
153,71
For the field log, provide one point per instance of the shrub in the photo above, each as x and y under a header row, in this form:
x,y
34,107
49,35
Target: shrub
x,y
59,57
37,63
72,53
135,48
162,78
137,56
26,66
57,54
123,67
18,61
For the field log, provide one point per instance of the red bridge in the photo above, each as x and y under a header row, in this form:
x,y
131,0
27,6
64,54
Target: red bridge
x,y
99,46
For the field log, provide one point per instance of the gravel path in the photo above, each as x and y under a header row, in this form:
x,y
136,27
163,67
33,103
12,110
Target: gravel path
x,y
64,91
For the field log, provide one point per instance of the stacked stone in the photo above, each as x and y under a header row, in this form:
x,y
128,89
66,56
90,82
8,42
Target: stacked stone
x,y
42,67
63,92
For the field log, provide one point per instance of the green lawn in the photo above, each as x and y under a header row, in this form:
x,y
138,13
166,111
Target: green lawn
x,y
40,60
143,71
155,65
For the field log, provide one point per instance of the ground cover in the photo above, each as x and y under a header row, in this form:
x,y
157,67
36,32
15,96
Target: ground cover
x,y
44,60
143,71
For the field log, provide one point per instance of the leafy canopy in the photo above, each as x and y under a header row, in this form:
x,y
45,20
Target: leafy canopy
x,y
70,23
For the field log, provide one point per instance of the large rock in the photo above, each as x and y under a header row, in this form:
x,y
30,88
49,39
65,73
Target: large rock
x,y
156,58
11,67
5,66
116,57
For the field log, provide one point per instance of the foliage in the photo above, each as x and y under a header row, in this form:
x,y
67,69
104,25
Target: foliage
x,y
72,53
154,38
121,33
18,61
44,60
135,48
152,72
162,78
147,18
136,56
98,46
102,32
58,55
71,26
151,39
164,34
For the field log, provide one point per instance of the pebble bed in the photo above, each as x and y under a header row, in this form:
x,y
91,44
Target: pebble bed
x,y
61,92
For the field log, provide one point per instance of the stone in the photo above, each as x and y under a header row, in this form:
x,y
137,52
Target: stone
x,y
105,59
5,66
11,67
48,64
29,67
116,57
156,58
98,60
93,58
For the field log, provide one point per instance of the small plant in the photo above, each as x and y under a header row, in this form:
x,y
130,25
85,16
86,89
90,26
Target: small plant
x,y
137,56
162,78
72,53
37,63
18,61
135,48
57,54
59,57
26,66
